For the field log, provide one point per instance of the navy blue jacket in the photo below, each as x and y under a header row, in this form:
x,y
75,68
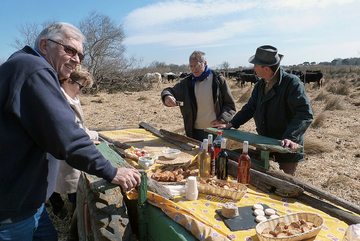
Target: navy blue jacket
x,y
283,113
35,119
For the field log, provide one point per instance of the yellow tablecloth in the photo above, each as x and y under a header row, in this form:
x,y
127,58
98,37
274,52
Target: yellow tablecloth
x,y
199,216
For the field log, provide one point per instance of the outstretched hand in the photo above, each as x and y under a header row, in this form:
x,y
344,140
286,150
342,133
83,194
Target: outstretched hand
x,y
127,178
169,101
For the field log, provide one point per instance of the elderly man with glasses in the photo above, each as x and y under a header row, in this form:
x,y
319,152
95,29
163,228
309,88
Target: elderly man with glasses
x,y
36,119
206,97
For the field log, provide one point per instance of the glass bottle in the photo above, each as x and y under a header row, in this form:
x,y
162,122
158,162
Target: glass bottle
x,y
244,165
222,161
212,155
217,144
205,160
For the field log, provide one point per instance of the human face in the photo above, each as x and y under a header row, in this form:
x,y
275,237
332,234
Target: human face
x,y
260,71
69,50
72,87
58,55
196,67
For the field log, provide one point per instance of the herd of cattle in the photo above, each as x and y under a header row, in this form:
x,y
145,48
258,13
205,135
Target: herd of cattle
x,y
243,76
249,76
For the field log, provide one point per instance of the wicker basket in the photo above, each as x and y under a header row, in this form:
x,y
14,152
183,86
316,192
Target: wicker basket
x,y
222,192
271,223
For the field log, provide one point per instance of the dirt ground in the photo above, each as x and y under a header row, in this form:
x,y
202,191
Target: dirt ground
x,y
331,143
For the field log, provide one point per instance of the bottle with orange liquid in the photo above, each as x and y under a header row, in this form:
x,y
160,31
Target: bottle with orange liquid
x,y
244,165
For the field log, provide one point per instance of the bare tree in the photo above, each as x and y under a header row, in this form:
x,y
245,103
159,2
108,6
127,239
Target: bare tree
x,y
225,66
103,49
29,32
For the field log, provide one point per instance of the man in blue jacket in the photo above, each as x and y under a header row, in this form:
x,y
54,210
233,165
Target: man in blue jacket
x,y
35,119
206,97
279,106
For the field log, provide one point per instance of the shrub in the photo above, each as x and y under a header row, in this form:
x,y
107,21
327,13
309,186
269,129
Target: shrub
x,y
333,103
319,121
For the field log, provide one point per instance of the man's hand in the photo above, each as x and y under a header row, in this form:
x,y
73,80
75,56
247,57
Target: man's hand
x,y
289,144
223,126
169,101
127,178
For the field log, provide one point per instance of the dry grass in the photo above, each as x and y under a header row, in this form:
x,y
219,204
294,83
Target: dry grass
x,y
245,96
333,103
319,121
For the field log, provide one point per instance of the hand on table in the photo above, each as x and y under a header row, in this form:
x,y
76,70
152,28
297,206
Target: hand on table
x,y
223,126
127,178
289,144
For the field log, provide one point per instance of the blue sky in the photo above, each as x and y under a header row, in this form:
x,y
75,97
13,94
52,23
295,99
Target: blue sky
x,y
169,31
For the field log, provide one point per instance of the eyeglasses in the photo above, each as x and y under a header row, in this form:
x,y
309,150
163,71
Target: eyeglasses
x,y
70,50
196,66
80,85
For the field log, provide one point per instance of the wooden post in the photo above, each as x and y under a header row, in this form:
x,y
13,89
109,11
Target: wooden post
x,y
142,208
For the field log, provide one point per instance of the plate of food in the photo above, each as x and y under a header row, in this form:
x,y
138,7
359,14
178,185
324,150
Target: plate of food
x,y
175,174
134,153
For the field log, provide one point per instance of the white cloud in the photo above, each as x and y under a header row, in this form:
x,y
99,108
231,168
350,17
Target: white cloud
x,y
183,24
182,38
170,11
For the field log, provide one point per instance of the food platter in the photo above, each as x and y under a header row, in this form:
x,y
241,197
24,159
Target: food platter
x,y
172,174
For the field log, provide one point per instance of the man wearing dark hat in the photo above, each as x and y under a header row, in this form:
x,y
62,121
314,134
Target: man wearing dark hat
x,y
279,106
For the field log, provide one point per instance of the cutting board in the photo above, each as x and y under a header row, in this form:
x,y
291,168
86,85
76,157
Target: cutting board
x,y
245,220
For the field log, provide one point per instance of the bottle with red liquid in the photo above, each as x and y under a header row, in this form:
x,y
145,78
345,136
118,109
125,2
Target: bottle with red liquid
x,y
244,165
217,144
222,161
212,155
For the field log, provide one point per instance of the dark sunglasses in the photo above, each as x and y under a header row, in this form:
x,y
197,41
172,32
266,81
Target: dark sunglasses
x,y
80,85
70,50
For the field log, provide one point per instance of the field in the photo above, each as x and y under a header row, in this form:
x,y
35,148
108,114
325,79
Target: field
x,y
331,143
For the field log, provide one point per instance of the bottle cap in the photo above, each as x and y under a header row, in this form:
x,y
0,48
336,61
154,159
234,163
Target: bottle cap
x,y
210,138
223,143
245,146
205,144
219,132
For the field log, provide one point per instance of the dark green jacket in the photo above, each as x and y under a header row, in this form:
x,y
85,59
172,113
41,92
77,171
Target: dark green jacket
x,y
223,100
283,113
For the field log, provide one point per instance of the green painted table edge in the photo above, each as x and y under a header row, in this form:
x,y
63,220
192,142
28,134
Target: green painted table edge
x,y
164,228
258,141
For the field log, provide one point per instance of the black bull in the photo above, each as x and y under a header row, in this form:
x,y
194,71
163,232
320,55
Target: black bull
x,y
251,78
312,77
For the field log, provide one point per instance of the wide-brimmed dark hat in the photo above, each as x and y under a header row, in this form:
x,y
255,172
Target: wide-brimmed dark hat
x,y
266,55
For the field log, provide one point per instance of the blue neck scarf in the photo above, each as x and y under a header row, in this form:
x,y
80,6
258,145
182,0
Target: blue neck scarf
x,y
203,76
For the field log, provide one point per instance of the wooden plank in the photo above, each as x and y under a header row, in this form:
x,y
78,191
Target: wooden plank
x,y
258,141
116,143
157,132
268,183
178,137
113,128
330,209
316,191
